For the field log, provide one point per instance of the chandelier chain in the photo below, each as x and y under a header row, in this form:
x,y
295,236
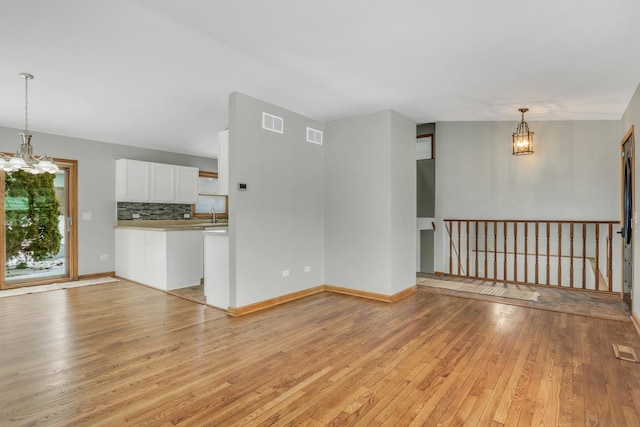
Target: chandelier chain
x,y
24,159
26,105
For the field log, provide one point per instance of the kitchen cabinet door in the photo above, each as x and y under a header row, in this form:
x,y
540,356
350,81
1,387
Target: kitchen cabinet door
x,y
130,260
223,162
163,183
138,181
186,185
132,181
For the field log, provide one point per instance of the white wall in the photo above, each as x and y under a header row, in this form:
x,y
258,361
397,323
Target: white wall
x,y
574,173
277,224
631,117
96,186
370,203
403,203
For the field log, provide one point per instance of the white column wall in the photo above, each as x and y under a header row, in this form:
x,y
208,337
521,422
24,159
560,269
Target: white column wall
x,y
277,224
370,203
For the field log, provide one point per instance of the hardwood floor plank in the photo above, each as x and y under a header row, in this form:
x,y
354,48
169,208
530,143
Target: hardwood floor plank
x,y
531,399
123,354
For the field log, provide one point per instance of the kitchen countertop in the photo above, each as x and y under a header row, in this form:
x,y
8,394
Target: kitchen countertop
x,y
170,225
218,231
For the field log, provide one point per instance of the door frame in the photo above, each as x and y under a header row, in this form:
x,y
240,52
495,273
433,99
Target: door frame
x,y
72,231
628,136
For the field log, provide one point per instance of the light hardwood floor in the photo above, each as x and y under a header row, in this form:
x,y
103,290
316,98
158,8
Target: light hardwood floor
x,y
606,305
123,354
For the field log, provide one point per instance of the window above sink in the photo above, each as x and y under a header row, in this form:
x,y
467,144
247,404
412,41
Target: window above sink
x,y
209,201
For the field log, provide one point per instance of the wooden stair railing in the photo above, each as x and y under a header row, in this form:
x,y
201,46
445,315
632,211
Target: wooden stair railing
x,y
567,254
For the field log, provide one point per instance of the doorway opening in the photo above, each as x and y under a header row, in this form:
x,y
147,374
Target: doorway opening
x,y
628,217
38,236
426,196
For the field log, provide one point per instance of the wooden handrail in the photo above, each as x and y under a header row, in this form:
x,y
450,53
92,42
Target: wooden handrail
x,y
540,221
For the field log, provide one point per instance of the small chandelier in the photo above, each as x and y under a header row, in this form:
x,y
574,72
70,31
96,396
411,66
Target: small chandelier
x,y
523,137
24,159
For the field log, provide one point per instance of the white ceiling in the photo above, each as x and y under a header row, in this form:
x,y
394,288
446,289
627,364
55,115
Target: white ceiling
x,y
157,73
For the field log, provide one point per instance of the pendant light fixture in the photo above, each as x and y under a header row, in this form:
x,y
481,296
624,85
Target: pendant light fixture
x,y
24,159
523,137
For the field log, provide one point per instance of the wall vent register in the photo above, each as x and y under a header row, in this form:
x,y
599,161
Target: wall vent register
x,y
272,123
314,136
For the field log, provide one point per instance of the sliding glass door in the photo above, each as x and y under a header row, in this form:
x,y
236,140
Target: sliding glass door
x,y
39,241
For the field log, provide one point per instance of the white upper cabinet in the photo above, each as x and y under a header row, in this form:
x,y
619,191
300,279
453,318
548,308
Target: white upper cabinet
x,y
138,181
186,185
132,181
163,179
223,162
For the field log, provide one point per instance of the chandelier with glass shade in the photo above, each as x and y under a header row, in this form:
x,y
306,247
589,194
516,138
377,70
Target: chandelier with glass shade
x,y
522,137
24,159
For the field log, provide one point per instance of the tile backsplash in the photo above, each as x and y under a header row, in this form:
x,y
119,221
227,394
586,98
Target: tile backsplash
x,y
126,210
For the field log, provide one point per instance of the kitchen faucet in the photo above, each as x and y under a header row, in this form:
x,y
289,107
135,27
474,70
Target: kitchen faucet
x,y
213,215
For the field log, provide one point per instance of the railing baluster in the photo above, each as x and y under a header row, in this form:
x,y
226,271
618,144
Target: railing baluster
x,y
476,236
597,257
504,264
467,258
495,250
584,255
537,268
548,265
486,251
571,254
459,251
515,251
559,254
450,247
526,236
610,257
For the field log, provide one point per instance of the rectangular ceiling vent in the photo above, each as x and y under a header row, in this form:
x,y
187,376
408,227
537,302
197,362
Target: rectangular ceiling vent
x,y
272,123
314,136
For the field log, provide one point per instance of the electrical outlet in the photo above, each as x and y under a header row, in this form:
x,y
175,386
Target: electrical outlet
x,y
135,216
285,273
86,216
187,216
307,268
104,257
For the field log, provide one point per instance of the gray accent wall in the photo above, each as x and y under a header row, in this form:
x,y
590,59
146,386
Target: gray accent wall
x,y
426,198
370,203
427,176
96,186
277,224
426,182
574,173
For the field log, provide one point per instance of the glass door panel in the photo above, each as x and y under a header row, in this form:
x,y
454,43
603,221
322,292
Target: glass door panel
x,y
36,209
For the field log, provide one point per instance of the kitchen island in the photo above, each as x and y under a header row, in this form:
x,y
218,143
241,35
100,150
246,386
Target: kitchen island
x,y
216,267
166,255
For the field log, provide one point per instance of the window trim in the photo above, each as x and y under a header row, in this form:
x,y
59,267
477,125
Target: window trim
x,y
433,143
225,214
